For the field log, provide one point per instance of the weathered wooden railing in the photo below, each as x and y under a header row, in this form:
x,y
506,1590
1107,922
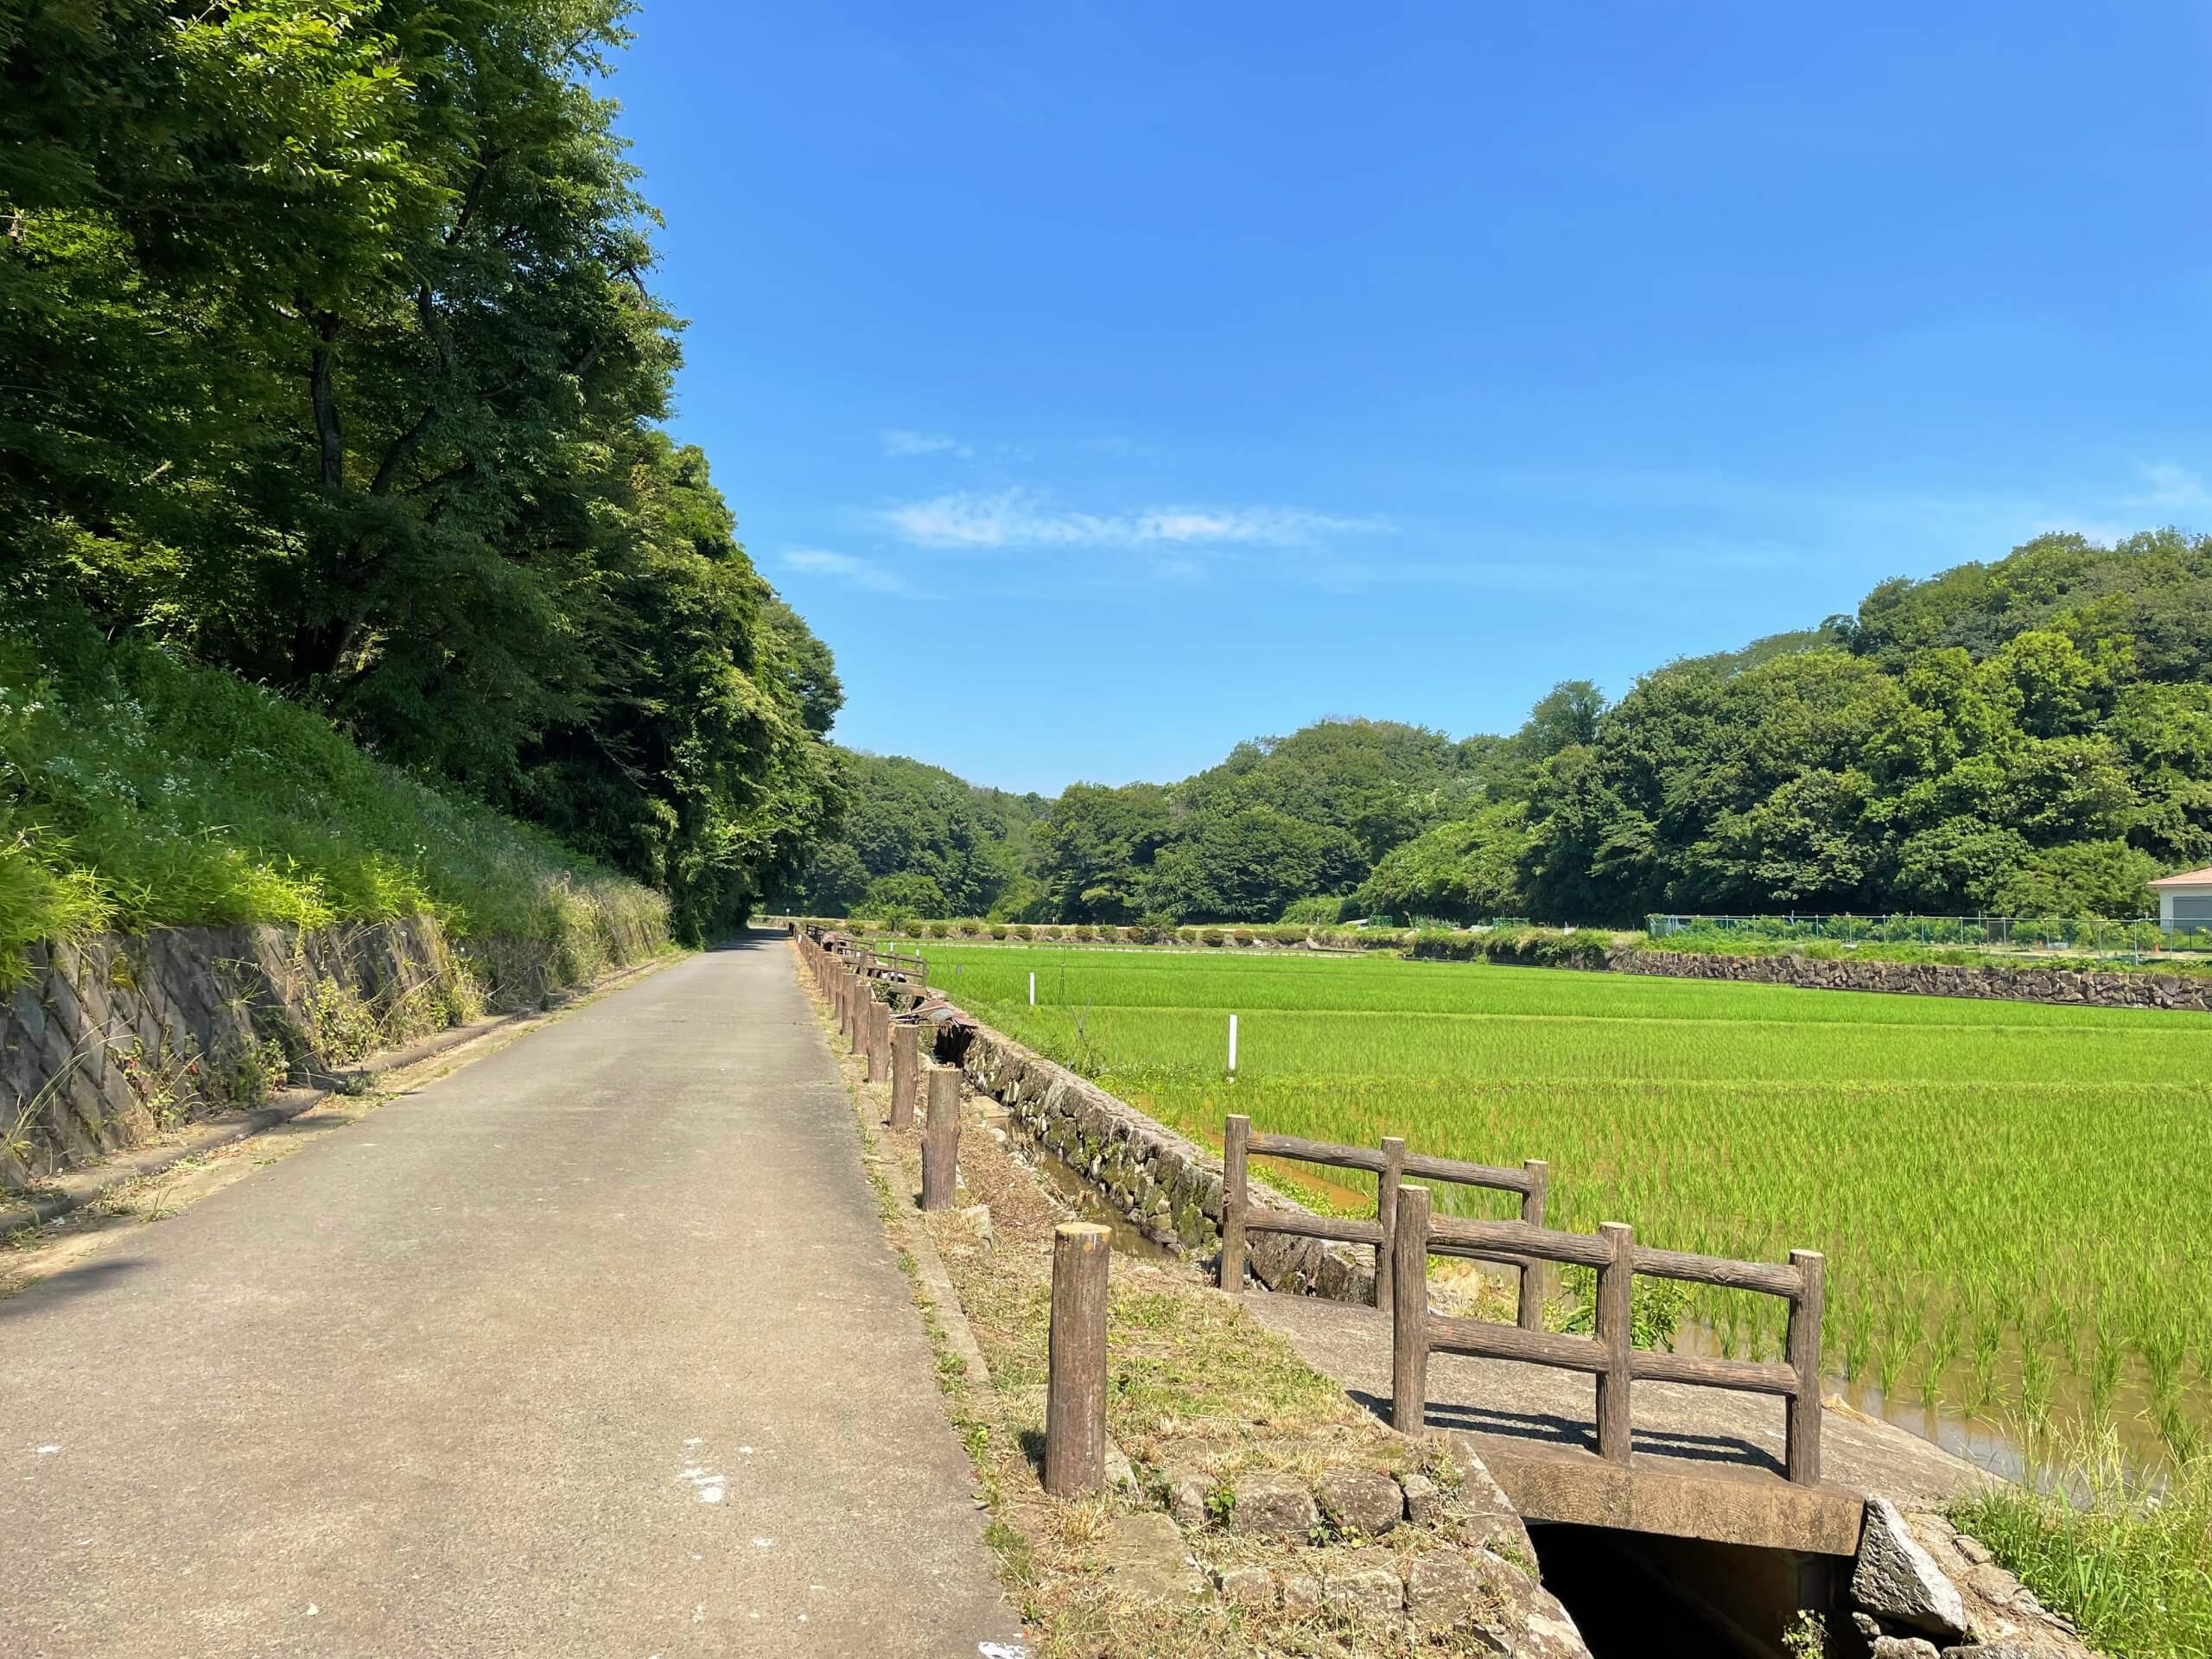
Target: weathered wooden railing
x,y
890,965
1390,1164
1608,1355
847,974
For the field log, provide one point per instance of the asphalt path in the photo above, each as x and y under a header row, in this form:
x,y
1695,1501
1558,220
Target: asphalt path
x,y
594,1347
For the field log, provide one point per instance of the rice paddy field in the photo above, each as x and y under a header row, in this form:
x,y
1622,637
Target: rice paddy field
x,y
2015,1198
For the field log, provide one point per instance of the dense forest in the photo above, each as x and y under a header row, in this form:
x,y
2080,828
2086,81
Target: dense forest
x,y
333,362
2027,737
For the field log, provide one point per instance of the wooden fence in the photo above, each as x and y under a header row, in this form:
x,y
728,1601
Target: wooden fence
x,y
1390,1164
1609,1355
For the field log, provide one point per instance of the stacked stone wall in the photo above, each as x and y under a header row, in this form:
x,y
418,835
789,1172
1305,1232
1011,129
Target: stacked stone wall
x,y
109,1043
1166,1186
2082,987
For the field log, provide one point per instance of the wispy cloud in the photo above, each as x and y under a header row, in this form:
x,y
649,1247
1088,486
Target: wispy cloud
x,y
1016,517
2170,485
843,566
899,444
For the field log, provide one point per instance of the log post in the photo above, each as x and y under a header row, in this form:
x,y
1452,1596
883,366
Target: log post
x,y
1075,1364
1409,1251
1236,1136
906,1062
941,1139
1615,1325
1535,1277
1801,1459
878,1041
1386,1212
861,999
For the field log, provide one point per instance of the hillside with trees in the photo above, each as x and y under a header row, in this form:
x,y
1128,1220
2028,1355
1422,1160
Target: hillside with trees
x,y
2027,737
333,362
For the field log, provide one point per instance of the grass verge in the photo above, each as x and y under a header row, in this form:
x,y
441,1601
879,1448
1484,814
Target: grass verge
x,y
2132,1569
137,792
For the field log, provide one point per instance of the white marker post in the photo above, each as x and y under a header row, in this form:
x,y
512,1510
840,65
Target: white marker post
x,y
1033,990
1232,1046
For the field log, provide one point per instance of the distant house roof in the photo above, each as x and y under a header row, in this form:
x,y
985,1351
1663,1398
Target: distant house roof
x,y
2187,879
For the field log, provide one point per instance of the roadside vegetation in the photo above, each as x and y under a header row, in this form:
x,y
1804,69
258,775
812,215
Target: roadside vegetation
x,y
137,792
335,365
2131,1567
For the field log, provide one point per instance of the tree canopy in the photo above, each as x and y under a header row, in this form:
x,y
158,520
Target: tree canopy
x,y
2028,737
333,360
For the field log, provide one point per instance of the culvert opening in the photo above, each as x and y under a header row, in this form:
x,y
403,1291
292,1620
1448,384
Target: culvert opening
x,y
1655,1597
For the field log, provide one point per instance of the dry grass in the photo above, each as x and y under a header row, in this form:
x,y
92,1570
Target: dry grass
x,y
1196,1388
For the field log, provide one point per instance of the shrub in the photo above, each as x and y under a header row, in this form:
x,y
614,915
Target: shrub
x,y
998,930
940,929
1188,935
1243,935
1314,912
1083,931
1211,935
1154,928
1023,931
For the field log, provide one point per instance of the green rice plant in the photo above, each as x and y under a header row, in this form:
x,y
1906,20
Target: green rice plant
x,y
2009,1195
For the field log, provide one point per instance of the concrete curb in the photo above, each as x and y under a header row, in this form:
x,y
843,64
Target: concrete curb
x,y
79,1187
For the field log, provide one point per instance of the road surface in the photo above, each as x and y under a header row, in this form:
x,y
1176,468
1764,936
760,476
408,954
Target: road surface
x,y
594,1347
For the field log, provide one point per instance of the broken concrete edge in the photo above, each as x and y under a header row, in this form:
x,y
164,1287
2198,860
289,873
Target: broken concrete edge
x,y
80,1186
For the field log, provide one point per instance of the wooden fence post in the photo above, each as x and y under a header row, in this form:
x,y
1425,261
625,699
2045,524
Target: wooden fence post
x,y
1236,1134
1386,1212
1535,1277
1614,1315
878,1041
941,1139
1075,1364
1801,1459
1409,1249
861,999
905,1060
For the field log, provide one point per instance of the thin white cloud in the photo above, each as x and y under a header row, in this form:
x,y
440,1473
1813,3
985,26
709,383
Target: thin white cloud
x,y
843,566
1016,517
2169,485
900,444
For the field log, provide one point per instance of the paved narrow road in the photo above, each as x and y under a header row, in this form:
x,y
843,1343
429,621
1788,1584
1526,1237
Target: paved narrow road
x,y
595,1347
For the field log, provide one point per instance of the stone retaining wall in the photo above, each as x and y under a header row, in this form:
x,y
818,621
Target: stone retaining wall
x,y
115,1040
1168,1188
2083,987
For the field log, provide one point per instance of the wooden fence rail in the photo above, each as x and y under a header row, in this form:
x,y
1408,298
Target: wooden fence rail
x,y
1608,1354
1390,1164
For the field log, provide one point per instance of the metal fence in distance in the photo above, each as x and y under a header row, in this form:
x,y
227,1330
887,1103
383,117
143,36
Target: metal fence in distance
x,y
2039,935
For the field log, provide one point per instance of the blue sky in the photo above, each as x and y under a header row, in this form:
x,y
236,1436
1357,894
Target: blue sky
x,y
1106,384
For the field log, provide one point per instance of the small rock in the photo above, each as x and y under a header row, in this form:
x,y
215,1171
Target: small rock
x,y
1366,1582
1993,1583
1424,1498
1441,1589
1972,1548
974,1218
1361,1500
1273,1509
1903,1647
1301,1592
1995,1650
1897,1579
1186,1502
1248,1586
